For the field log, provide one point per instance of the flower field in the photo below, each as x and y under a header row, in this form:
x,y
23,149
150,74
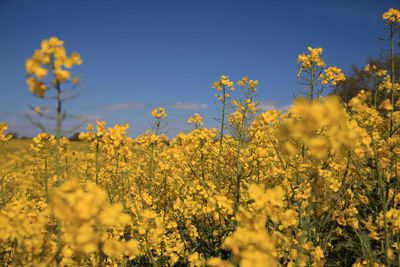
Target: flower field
x,y
317,185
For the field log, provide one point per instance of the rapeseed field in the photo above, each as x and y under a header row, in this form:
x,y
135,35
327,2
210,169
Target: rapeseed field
x,y
317,185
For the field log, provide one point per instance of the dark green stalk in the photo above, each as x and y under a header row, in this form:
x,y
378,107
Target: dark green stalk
x,y
58,133
392,74
221,133
115,179
151,167
382,190
312,83
58,171
97,160
46,180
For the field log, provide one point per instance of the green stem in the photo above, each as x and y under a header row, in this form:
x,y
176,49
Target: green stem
x,y
115,179
392,75
240,143
46,180
221,133
66,168
312,84
97,161
382,190
58,133
151,167
58,171
58,256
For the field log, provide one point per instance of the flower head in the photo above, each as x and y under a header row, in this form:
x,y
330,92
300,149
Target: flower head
x,y
392,15
307,61
159,113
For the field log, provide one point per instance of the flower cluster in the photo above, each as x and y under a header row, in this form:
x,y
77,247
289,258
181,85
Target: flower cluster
x,y
323,127
225,86
392,15
197,120
159,113
333,75
374,70
3,129
52,56
307,61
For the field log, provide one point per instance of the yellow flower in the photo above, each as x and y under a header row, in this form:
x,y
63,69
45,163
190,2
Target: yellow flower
x,y
53,41
61,75
38,88
307,61
34,67
76,80
76,58
67,62
318,252
386,105
225,85
333,75
52,52
159,113
197,120
59,52
217,262
392,15
113,215
45,47
3,137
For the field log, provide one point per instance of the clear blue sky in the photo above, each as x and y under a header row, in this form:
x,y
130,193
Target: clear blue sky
x,y
138,55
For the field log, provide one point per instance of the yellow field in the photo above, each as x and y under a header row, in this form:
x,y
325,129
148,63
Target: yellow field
x,y
315,186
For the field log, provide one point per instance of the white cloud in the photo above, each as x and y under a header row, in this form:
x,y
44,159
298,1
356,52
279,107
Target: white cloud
x,y
91,117
270,105
187,106
285,107
263,106
32,114
123,106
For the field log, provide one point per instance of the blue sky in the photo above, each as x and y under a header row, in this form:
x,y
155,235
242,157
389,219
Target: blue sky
x,y
138,55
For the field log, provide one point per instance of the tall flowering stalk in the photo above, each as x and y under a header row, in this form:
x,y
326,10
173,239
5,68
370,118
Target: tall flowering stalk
x,y
224,87
391,18
3,139
95,141
239,121
314,76
375,75
311,67
392,21
159,116
51,59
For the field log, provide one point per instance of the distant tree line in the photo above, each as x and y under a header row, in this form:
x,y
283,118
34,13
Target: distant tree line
x,y
358,79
